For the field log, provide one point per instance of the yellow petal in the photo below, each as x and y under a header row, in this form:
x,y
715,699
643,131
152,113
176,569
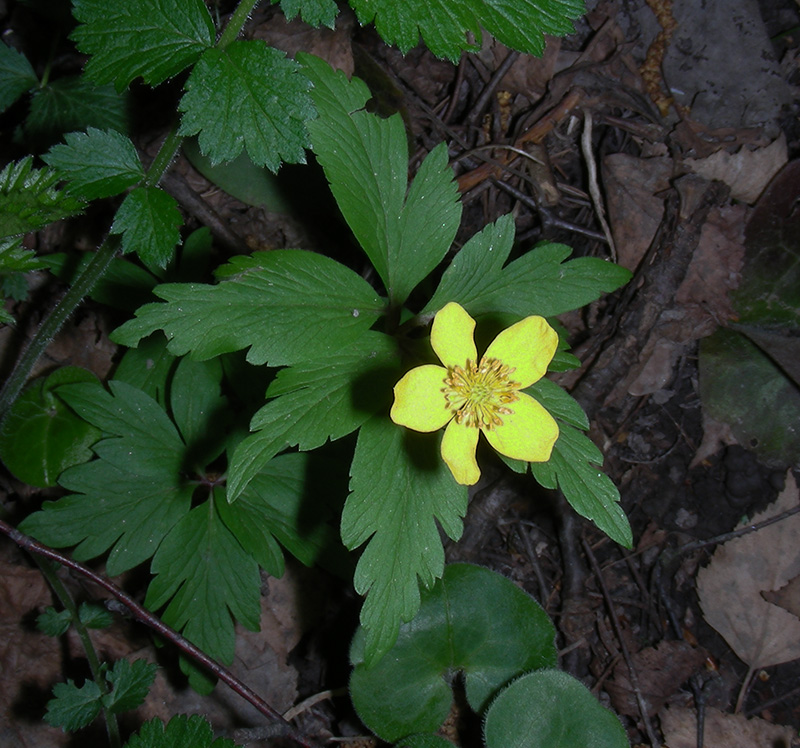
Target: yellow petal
x,y
528,346
529,433
419,403
451,335
458,452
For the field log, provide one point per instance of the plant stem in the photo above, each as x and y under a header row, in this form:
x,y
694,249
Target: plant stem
x,y
236,22
49,571
55,319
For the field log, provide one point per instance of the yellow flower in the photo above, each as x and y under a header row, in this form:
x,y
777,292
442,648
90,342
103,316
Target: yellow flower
x,y
469,396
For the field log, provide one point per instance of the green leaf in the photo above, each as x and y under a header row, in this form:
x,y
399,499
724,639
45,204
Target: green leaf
x,y
209,577
446,25
130,682
94,616
590,492
250,96
473,620
29,200
551,708
74,103
747,389
317,401
52,622
97,163
404,231
183,731
73,707
315,307
560,403
14,258
287,502
147,368
16,76
42,436
114,509
539,282
400,489
149,221
424,740
313,12
154,39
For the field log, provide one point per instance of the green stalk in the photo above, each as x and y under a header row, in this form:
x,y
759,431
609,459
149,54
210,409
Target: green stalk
x,y
61,592
236,22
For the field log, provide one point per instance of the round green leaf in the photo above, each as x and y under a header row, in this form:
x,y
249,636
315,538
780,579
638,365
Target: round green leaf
x,y
550,709
42,437
424,740
472,620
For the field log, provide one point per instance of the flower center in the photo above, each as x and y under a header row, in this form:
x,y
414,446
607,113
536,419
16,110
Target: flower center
x,y
480,393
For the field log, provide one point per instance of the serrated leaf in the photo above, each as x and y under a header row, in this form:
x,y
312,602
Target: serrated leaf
x,y
74,103
550,708
114,509
42,436
590,492
52,622
149,221
29,199
539,282
313,12
473,621
16,76
130,682
446,25
559,402
249,96
147,368
143,439
73,707
207,577
94,616
315,307
404,231
154,39
182,731
317,401
288,501
14,258
97,163
401,489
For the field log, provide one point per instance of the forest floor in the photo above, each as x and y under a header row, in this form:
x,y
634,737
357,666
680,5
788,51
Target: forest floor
x,y
662,137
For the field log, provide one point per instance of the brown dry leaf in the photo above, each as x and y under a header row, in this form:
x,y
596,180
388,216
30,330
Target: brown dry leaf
x,y
788,597
721,730
747,172
661,670
730,587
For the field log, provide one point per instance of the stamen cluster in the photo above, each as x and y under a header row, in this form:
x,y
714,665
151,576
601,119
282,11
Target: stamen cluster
x,y
480,393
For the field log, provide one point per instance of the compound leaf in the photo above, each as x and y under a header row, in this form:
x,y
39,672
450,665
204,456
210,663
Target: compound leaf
x,y
29,199
404,232
445,24
400,489
539,282
473,620
53,623
73,707
313,12
97,163
149,221
130,682
16,76
315,307
154,39
14,258
94,616
74,103
316,401
590,492
182,731
207,577
250,96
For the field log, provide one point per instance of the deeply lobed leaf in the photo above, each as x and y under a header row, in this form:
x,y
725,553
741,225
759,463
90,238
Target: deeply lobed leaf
x,y
16,76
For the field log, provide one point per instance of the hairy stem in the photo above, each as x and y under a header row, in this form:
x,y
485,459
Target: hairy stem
x,y
49,571
236,22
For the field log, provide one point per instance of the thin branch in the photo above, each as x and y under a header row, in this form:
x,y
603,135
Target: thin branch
x,y
144,616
